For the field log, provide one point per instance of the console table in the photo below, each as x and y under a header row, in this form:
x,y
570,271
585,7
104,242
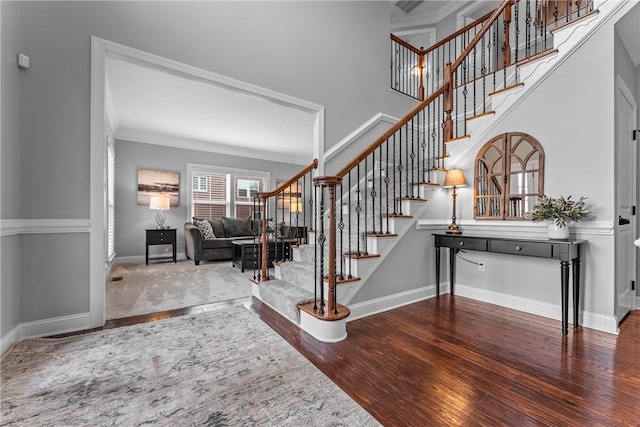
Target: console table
x,y
567,251
161,236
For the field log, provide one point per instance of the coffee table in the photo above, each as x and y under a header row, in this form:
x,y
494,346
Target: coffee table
x,y
244,252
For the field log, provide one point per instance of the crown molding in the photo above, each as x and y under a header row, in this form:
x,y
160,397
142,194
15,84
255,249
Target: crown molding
x,y
207,146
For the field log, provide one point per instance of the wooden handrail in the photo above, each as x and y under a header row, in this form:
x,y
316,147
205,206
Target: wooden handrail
x,y
485,27
393,129
459,32
264,196
286,184
422,51
407,45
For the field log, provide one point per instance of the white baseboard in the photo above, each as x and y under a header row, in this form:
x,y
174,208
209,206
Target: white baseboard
x,y
140,259
552,311
46,327
588,320
369,308
9,340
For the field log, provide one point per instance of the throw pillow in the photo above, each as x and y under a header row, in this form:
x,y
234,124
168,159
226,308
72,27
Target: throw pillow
x,y
205,228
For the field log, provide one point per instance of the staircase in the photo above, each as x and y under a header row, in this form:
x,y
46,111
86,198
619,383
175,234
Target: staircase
x,y
361,213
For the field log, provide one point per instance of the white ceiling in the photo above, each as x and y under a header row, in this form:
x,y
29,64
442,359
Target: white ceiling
x,y
159,106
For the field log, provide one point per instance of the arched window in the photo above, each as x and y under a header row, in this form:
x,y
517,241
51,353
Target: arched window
x,y
508,176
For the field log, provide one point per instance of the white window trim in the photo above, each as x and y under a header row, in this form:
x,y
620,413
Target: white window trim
x,y
222,170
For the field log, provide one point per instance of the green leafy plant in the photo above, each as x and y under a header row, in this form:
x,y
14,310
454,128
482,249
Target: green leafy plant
x,y
559,210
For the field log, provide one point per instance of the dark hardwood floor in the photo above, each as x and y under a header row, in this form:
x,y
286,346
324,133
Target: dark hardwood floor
x,y
456,361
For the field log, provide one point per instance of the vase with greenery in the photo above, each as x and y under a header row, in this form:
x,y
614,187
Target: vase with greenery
x,y
560,212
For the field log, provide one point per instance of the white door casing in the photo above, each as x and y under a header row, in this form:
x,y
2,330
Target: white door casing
x,y
626,172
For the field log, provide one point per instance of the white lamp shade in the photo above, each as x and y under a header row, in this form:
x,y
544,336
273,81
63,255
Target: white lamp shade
x,y
159,202
454,178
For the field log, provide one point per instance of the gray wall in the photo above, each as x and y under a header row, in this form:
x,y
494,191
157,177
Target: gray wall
x,y
316,51
131,219
573,120
9,166
333,54
571,114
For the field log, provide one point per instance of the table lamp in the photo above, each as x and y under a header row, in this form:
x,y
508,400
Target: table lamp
x,y
161,203
454,179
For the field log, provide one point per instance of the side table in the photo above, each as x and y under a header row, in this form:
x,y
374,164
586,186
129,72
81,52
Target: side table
x,y
161,236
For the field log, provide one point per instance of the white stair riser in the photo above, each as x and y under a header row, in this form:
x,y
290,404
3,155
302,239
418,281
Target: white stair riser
x,y
375,245
359,267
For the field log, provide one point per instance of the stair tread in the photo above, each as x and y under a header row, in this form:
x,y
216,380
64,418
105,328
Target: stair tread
x,y
479,116
373,234
535,57
360,256
457,139
575,20
412,199
505,89
434,184
343,312
396,216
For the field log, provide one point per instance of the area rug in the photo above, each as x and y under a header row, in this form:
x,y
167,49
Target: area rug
x,y
134,289
221,368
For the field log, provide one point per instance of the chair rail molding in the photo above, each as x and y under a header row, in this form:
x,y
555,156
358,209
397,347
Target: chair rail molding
x,y
525,229
14,227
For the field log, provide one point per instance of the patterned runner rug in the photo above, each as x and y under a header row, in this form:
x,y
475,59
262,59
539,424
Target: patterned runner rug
x,y
135,289
221,368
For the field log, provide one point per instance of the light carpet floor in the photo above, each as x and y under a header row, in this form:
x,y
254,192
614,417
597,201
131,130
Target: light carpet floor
x,y
144,289
221,368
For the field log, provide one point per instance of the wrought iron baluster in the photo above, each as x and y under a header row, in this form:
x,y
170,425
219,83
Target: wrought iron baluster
x,y
386,181
407,164
255,228
365,183
321,240
505,52
341,228
400,168
349,275
358,209
380,174
374,194
423,144
393,168
483,73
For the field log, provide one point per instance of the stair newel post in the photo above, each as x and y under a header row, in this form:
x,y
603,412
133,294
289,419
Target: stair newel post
x,y
448,104
263,268
330,183
333,300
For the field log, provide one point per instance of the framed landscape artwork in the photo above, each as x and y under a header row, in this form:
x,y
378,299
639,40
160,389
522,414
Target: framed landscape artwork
x,y
158,183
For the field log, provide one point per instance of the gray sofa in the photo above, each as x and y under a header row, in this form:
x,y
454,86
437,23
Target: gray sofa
x,y
219,248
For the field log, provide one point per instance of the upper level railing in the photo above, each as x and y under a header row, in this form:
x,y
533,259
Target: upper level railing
x,y
521,31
